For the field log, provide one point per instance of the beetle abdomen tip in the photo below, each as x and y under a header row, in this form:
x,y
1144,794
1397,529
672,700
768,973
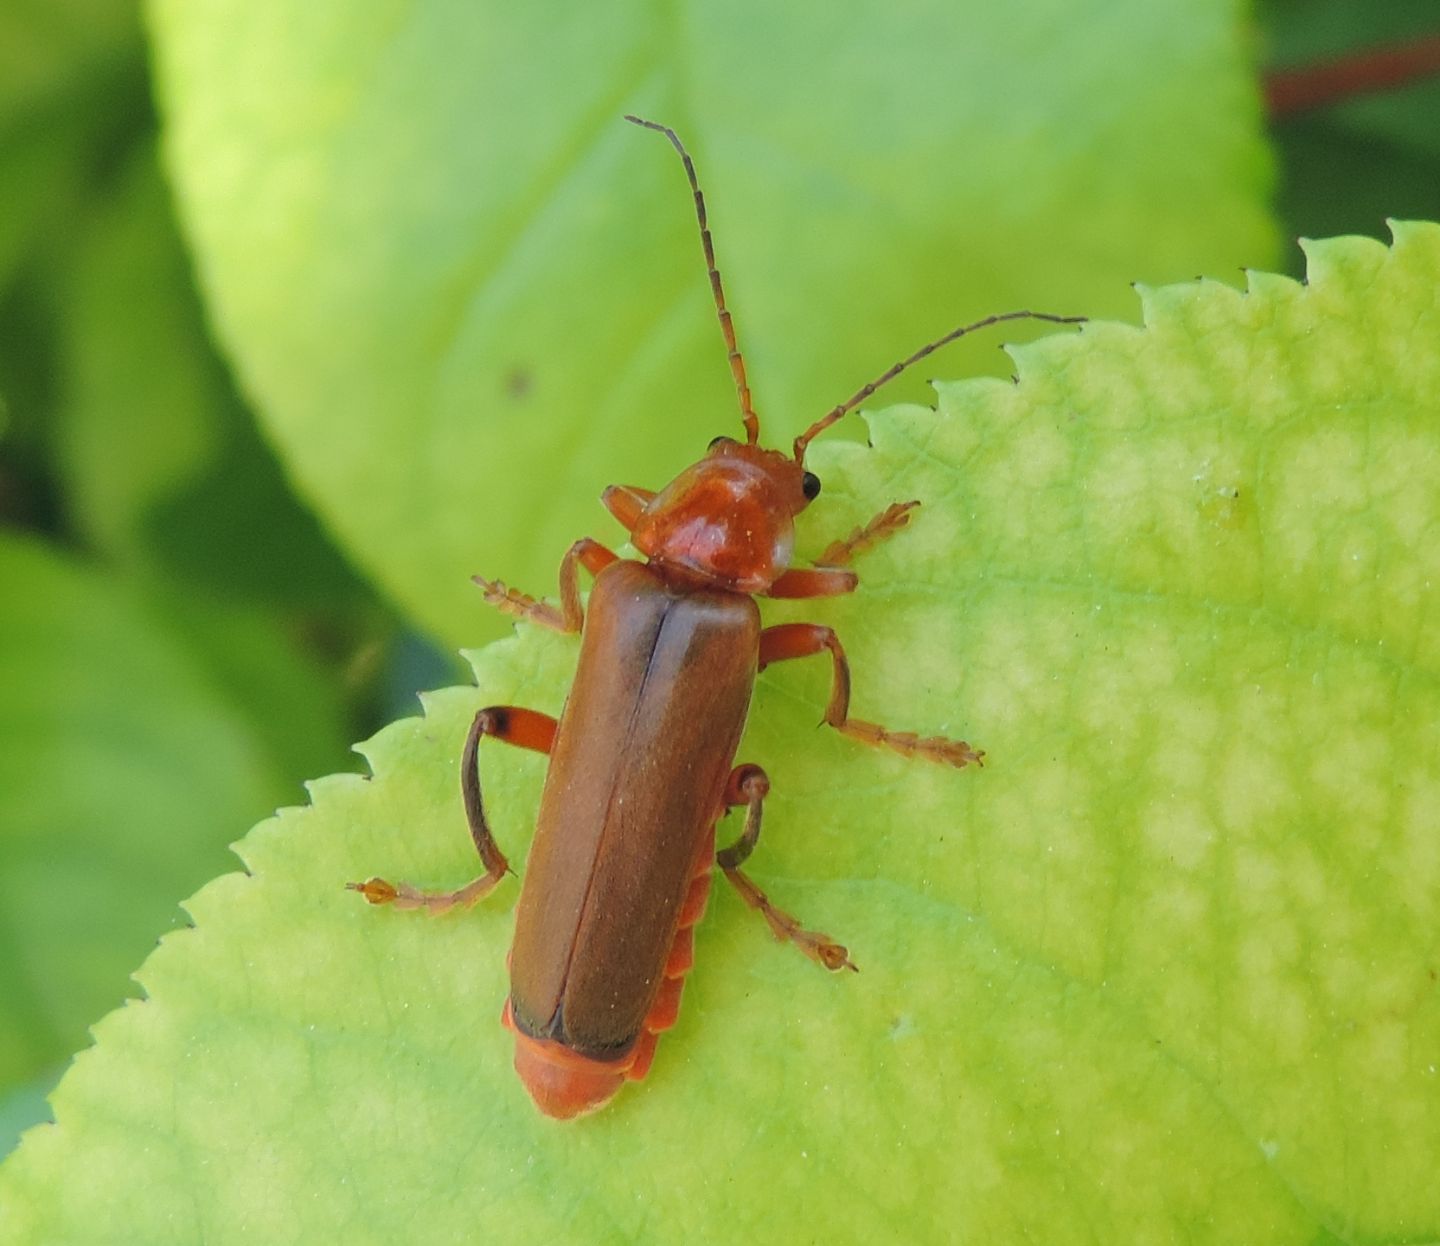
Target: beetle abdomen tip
x,y
563,1083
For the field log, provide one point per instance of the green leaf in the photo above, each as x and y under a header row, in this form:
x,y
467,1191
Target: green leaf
x,y
39,169
143,409
163,465
48,47
1164,970
461,291
68,72
22,1106
1346,167
166,476
123,774
1337,181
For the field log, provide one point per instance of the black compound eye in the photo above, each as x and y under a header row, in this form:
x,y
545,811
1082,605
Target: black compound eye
x,y
721,440
810,486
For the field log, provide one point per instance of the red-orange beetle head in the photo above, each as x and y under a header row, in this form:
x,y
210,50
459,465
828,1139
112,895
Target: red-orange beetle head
x,y
729,519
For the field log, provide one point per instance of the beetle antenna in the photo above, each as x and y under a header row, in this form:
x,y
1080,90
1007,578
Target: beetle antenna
x,y
727,326
891,373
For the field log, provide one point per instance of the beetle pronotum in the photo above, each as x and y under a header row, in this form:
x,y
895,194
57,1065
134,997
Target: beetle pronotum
x,y
642,757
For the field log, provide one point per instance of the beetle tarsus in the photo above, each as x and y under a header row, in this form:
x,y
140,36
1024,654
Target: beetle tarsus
x,y
947,752
405,897
819,947
375,890
885,524
520,605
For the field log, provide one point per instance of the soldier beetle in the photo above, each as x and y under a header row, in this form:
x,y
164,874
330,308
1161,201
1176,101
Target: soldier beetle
x,y
642,757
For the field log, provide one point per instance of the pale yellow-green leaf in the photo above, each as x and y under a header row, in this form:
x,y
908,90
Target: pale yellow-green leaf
x,y
1164,971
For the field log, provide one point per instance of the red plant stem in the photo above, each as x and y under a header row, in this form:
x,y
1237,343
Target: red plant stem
x,y
1364,72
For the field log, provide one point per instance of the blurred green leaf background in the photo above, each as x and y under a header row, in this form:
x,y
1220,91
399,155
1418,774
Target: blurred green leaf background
x,y
425,295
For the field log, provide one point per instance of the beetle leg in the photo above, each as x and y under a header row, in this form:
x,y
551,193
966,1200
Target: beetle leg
x,y
813,582
826,578
626,502
885,524
525,728
593,556
802,640
749,785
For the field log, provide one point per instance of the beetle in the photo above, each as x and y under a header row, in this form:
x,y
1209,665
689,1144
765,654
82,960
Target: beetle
x,y
642,757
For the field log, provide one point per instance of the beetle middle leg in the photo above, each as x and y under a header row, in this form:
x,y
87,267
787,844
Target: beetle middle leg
x,y
570,616
802,640
749,785
514,725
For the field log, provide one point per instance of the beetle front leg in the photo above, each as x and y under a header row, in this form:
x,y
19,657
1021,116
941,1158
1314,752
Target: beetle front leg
x,y
813,582
829,577
626,502
885,524
570,617
803,640
514,725
749,785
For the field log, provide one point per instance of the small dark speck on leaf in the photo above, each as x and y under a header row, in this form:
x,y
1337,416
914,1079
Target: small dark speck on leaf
x,y
518,382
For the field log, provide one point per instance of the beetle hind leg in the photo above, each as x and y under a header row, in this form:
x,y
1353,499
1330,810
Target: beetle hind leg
x,y
748,786
525,728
